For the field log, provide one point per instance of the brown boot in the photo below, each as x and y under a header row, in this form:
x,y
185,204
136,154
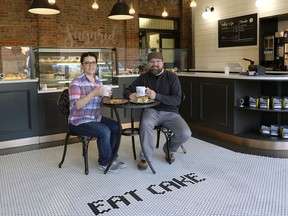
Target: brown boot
x,y
172,158
142,165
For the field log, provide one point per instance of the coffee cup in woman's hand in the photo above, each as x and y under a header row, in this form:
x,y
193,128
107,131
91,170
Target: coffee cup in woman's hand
x,y
107,90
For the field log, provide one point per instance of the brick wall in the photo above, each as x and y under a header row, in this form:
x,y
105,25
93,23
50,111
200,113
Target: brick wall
x,y
78,25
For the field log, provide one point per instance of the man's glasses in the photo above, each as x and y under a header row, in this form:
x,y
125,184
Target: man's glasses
x,y
90,63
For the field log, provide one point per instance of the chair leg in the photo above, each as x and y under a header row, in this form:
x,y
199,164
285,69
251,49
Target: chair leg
x,y
65,150
158,138
167,136
168,150
183,149
83,149
133,147
85,153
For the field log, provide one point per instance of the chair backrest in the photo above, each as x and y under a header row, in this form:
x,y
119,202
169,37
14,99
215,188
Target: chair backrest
x,y
182,100
63,103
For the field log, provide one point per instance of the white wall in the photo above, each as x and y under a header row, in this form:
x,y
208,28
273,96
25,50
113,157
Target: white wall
x,y
207,54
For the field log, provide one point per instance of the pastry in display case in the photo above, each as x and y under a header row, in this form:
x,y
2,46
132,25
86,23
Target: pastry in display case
x,y
57,67
15,63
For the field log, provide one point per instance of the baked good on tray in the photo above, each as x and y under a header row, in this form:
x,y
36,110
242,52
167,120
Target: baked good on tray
x,y
142,99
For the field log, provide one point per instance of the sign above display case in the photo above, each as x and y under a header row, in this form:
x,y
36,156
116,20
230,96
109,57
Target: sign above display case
x,y
237,31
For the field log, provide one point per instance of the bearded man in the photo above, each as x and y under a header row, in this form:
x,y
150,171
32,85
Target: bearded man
x,y
163,86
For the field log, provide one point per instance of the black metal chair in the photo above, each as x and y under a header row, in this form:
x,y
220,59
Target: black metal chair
x,y
64,103
168,134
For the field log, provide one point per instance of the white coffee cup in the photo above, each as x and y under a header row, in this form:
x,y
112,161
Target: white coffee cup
x,y
107,89
140,91
226,70
2,75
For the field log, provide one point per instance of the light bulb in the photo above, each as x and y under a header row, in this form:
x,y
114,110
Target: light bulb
x,y
205,14
52,2
164,13
131,10
260,3
95,6
193,4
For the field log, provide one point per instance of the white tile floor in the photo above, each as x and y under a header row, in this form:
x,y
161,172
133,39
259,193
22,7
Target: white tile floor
x,y
208,180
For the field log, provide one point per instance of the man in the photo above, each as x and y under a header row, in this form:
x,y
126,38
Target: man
x,y
165,87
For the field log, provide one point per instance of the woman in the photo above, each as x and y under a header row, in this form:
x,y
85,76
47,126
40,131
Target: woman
x,y
85,93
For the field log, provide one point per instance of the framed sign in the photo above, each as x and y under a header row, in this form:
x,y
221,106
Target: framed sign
x,y
237,31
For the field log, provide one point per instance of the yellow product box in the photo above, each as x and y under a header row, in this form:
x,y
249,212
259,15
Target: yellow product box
x,y
276,102
285,102
274,130
264,102
284,131
264,130
253,102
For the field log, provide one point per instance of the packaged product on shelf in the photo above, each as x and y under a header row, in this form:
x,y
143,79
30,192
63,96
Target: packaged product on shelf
x,y
264,102
285,102
253,101
276,102
264,130
284,131
274,130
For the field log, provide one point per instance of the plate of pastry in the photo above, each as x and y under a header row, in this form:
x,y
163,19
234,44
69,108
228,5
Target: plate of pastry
x,y
116,101
142,100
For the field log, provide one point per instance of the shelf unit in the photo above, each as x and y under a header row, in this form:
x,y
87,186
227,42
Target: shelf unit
x,y
260,116
212,107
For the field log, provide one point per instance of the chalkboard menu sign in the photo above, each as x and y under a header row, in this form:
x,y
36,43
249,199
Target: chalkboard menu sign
x,y
237,31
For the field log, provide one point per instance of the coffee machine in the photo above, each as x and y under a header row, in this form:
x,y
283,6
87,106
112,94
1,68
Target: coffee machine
x,y
286,49
281,55
269,48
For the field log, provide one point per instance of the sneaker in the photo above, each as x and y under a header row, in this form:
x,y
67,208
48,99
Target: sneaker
x,y
142,165
172,158
119,163
113,168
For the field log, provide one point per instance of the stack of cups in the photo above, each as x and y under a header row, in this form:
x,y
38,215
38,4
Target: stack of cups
x,y
226,70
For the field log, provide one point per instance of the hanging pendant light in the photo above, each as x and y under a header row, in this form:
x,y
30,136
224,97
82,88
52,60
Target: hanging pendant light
x,y
193,4
120,11
95,6
131,10
43,7
164,13
51,2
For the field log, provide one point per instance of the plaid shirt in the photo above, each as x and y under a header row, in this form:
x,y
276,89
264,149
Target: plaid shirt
x,y
78,88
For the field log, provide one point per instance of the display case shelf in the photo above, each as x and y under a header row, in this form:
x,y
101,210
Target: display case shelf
x,y
57,67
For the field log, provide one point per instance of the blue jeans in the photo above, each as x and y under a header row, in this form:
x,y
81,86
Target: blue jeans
x,y
107,132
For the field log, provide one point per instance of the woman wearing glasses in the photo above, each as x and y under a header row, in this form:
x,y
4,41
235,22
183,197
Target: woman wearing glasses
x,y
85,94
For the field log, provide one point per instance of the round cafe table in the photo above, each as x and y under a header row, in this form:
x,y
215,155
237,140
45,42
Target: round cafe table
x,y
132,131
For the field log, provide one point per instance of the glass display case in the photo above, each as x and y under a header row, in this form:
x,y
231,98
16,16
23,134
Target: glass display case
x,y
15,63
134,60
56,67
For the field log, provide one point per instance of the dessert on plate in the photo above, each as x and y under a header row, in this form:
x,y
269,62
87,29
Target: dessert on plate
x,y
142,99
